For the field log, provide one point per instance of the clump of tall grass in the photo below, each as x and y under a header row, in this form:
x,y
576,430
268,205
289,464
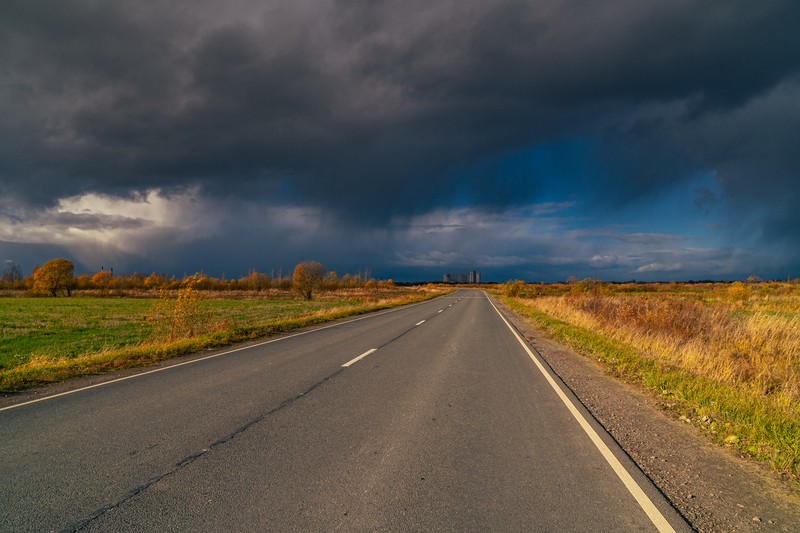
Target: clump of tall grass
x,y
180,316
759,351
737,346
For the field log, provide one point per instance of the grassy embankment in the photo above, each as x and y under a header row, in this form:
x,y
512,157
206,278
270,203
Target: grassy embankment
x,y
723,357
44,340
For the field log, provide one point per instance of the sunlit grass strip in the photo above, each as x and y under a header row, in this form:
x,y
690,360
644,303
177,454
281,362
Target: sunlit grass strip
x,y
764,428
41,370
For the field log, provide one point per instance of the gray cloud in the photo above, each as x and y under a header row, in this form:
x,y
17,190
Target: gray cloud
x,y
86,221
372,111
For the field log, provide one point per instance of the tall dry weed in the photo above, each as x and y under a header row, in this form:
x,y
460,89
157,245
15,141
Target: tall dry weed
x,y
178,315
756,350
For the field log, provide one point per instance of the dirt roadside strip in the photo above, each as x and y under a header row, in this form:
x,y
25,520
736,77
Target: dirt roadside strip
x,y
709,485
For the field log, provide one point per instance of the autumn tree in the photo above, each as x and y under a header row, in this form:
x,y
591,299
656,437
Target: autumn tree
x,y
307,278
53,277
331,281
154,281
256,281
83,282
101,280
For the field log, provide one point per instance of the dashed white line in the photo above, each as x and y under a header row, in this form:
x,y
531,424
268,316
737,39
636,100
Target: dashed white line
x,y
419,323
360,357
199,359
440,310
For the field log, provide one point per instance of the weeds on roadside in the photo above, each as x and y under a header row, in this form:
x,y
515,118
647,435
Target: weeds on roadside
x,y
178,316
726,355
513,288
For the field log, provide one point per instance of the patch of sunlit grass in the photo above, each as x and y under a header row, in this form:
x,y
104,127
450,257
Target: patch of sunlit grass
x,y
155,330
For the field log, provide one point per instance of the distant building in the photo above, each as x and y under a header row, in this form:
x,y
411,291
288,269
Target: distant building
x,y
470,277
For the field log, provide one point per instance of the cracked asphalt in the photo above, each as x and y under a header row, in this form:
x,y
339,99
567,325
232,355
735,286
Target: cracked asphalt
x,y
443,424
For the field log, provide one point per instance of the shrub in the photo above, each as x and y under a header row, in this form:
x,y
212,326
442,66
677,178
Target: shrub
x,y
738,292
513,288
179,317
101,280
388,284
307,278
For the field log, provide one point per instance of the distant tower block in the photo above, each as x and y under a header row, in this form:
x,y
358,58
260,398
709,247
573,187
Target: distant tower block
x,y
470,277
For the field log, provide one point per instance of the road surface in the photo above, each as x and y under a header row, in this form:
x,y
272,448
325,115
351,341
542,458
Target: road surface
x,y
432,417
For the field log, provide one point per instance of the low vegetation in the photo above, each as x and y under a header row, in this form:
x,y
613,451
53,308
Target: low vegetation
x,y
57,278
725,357
51,339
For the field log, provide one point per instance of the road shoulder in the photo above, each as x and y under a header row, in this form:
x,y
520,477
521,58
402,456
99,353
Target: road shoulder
x,y
711,487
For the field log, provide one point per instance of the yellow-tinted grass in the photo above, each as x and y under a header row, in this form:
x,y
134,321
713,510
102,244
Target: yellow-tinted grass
x,y
727,355
759,350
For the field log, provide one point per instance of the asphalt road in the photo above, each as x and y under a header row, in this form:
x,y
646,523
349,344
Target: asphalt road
x,y
447,423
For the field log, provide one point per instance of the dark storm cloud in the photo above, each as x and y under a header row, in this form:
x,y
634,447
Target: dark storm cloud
x,y
375,110
85,221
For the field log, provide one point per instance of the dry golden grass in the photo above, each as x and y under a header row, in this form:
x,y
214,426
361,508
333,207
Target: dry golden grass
x,y
729,353
757,350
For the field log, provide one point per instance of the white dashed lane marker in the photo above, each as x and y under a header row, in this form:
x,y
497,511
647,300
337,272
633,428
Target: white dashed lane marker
x,y
419,323
360,357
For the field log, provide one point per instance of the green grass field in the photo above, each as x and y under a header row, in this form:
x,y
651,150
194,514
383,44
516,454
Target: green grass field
x,y
43,340
71,327
68,327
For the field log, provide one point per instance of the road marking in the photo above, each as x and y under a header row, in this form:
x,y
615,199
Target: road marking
x,y
440,310
419,323
359,358
212,356
636,491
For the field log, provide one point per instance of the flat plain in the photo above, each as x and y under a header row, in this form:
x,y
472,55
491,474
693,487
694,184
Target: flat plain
x,y
43,340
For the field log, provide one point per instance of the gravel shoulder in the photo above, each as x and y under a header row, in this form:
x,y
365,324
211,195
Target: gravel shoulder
x,y
714,489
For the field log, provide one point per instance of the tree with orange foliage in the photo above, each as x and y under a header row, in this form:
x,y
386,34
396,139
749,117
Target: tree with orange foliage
x,y
307,278
53,277
101,280
154,281
256,281
386,284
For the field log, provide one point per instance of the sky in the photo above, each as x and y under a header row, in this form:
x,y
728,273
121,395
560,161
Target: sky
x,y
654,140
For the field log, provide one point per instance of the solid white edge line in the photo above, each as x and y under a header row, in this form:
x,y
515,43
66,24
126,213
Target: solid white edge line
x,y
419,323
212,356
633,487
360,357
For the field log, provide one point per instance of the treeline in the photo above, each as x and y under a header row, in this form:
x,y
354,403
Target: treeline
x,y
56,277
